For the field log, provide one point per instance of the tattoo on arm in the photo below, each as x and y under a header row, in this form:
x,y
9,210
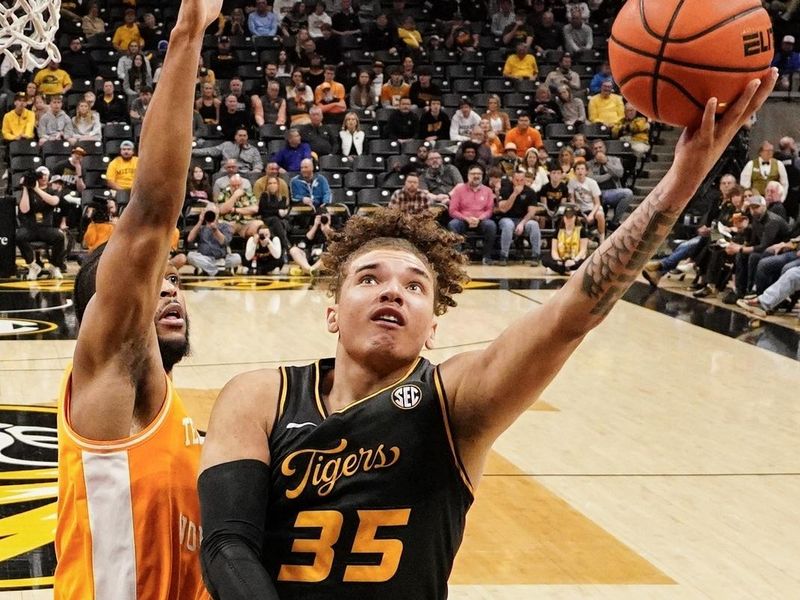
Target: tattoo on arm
x,y
612,269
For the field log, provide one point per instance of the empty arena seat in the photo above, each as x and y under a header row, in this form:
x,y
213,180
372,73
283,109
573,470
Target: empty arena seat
x,y
335,162
23,148
359,181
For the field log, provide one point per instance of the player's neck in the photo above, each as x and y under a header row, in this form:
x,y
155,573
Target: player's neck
x,y
353,379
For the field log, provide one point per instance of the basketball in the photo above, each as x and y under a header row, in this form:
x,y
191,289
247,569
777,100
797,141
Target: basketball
x,y
669,57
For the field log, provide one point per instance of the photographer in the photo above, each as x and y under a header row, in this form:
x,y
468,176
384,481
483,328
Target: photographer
x,y
37,224
264,252
307,254
213,237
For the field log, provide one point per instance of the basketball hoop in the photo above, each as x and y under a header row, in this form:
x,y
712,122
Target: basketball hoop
x,y
27,29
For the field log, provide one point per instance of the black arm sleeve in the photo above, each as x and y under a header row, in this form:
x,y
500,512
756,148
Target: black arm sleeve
x,y
233,508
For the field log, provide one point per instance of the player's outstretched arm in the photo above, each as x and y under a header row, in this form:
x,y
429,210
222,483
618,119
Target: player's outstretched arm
x,y
490,389
117,359
234,487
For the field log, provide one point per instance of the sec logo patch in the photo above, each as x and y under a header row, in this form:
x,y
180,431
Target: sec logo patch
x,y
406,396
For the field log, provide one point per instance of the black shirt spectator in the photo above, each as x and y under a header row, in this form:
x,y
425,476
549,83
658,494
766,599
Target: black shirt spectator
x,y
554,196
380,35
423,89
522,202
346,21
321,139
231,118
329,46
78,63
548,35
111,108
403,124
224,62
434,123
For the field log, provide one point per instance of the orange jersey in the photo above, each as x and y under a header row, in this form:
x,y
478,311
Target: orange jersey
x,y
128,513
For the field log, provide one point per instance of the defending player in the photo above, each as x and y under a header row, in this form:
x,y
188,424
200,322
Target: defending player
x,y
351,479
128,516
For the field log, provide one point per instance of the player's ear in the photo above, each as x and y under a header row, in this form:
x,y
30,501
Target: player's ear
x,y
430,343
330,318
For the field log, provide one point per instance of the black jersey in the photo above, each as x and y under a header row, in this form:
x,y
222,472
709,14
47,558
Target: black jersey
x,y
370,501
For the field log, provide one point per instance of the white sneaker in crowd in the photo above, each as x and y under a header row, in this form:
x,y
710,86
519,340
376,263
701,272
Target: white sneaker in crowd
x,y
55,272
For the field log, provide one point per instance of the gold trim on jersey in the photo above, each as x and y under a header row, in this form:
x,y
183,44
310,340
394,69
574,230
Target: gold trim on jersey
x,y
282,395
318,396
440,393
111,445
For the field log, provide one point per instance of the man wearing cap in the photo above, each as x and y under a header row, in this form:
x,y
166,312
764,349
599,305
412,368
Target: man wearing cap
x,y
55,124
71,170
509,162
523,136
18,124
224,62
767,229
262,21
787,61
122,170
37,220
126,61
463,121
434,124
423,90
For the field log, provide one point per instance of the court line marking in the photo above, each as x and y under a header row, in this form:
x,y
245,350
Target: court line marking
x,y
33,310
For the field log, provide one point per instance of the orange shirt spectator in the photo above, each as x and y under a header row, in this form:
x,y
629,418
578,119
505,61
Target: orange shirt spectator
x,y
524,136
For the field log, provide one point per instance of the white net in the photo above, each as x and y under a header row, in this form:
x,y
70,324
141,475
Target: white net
x,y
27,30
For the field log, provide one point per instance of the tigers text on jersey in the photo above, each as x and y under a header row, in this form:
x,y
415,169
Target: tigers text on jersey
x,y
369,501
128,514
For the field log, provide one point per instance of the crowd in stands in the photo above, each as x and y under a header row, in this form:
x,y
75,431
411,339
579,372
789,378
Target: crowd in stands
x,y
502,115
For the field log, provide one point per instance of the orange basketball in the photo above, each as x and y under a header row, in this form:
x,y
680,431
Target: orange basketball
x,y
670,56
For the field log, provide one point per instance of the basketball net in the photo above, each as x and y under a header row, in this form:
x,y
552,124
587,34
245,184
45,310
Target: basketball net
x,y
27,30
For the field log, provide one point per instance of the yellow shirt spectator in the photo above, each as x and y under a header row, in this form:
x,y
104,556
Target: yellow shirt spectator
x,y
124,35
411,37
121,172
52,81
606,109
521,67
18,126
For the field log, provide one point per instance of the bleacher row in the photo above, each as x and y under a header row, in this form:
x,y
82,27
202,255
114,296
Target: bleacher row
x,y
370,178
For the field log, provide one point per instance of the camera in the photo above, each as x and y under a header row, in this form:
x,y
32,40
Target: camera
x,y
262,237
209,217
100,212
29,179
324,219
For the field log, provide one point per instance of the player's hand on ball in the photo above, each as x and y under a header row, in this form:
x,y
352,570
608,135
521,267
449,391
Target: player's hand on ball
x,y
699,149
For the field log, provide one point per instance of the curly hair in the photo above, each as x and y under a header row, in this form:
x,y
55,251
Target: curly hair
x,y
419,234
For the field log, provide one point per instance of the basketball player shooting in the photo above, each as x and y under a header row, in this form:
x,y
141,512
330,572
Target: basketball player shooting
x,y
128,514
351,477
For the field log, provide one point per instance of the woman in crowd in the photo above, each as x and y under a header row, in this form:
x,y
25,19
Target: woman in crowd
x,y
567,161
295,22
285,66
532,167
570,246
573,111
86,123
136,78
361,94
198,186
492,139
409,76
273,209
236,24
298,80
208,105
351,136
497,118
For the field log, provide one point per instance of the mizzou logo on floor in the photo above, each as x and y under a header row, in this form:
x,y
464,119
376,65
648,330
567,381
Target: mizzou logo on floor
x,y
15,327
28,494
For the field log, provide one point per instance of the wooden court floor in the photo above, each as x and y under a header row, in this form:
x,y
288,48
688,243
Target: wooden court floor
x,y
663,462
